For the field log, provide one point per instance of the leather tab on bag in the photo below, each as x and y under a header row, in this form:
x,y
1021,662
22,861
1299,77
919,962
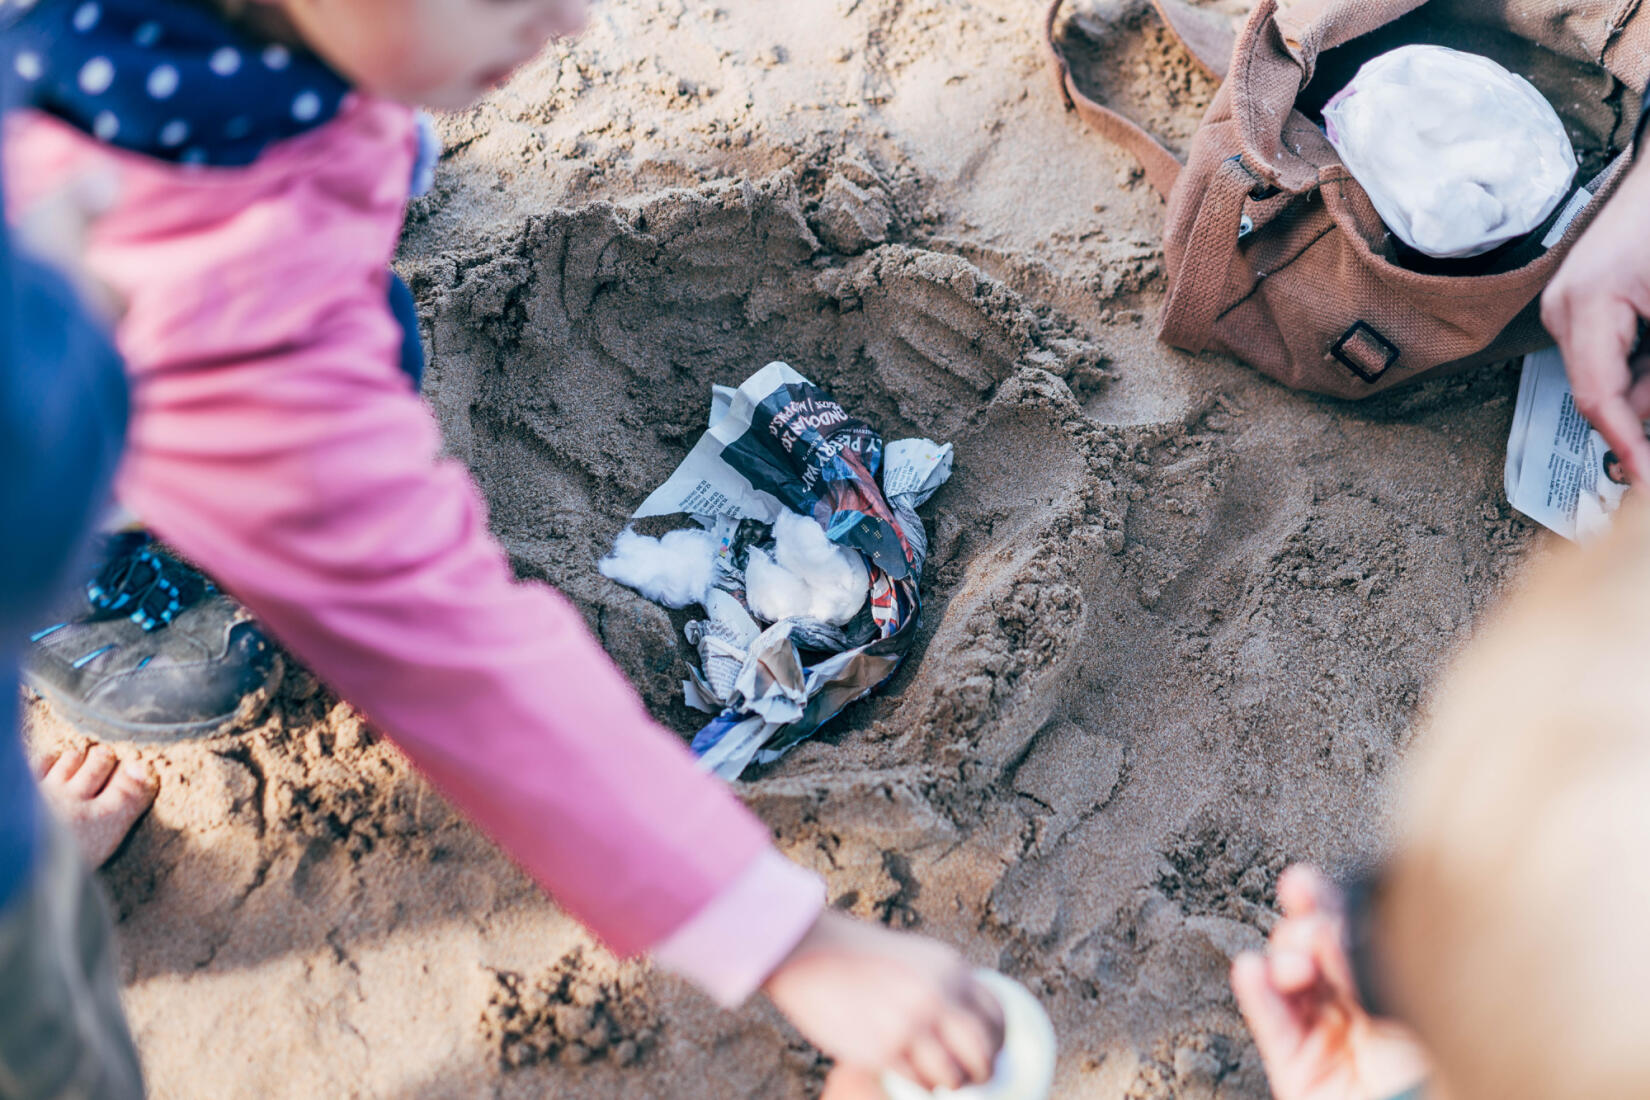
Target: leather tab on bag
x,y
1364,352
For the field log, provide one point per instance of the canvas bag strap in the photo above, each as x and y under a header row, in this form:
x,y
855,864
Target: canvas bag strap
x,y
1206,38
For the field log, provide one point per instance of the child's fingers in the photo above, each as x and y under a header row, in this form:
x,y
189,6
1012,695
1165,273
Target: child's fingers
x,y
1277,1030
1302,890
846,1082
989,1012
1292,971
1293,934
935,1065
1328,952
969,1040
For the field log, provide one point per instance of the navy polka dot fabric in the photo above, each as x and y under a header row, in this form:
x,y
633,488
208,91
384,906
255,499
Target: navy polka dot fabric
x,y
171,79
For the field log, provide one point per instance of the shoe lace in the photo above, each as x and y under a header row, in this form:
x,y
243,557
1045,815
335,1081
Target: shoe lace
x,y
142,582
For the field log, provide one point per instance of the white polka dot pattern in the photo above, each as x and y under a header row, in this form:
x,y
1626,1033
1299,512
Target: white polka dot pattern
x,y
170,79
96,76
225,61
163,81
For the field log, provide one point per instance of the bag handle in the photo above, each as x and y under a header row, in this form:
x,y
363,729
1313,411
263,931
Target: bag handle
x,y
1207,39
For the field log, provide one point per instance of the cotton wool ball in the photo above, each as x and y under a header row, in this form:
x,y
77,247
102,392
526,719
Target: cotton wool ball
x,y
773,592
676,570
836,576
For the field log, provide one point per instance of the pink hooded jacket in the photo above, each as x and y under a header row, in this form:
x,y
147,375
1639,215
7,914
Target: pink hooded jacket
x,y
275,442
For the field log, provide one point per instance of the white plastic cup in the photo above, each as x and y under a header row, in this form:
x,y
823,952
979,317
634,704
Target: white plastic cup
x,y
1025,1066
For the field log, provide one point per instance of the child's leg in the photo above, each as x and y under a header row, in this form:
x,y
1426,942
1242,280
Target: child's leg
x,y
62,1031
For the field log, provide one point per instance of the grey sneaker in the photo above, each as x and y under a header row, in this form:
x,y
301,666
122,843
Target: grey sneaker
x,y
154,652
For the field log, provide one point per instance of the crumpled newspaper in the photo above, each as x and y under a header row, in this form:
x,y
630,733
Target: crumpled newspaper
x,y
780,444
1458,154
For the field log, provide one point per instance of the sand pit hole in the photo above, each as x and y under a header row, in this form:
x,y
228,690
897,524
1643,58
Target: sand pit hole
x,y
573,361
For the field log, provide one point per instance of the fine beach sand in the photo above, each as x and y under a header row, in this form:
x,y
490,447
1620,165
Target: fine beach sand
x,y
1179,621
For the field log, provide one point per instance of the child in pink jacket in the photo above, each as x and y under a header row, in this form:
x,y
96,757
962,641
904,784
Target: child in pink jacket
x,y
263,160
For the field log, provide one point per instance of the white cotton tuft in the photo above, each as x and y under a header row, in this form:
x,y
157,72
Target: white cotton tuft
x,y
676,570
773,592
837,576
807,577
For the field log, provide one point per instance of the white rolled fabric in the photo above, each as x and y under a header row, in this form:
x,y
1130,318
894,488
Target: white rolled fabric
x,y
1458,154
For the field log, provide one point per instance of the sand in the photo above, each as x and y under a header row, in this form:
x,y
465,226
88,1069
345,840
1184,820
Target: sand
x,y
1179,621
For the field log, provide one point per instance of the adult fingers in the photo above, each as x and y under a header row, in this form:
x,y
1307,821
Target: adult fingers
x,y
1596,343
1277,1028
1638,397
1623,430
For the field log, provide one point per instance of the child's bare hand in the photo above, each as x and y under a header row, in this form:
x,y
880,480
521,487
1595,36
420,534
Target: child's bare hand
x,y
1593,307
1301,1004
880,1000
55,229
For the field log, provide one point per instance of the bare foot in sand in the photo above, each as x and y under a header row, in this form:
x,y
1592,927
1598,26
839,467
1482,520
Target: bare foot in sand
x,y
97,797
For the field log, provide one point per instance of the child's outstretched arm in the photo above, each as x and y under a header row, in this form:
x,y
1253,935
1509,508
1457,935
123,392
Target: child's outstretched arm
x,y
312,489
276,442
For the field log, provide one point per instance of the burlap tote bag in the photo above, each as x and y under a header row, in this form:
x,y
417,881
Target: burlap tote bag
x,y
1273,252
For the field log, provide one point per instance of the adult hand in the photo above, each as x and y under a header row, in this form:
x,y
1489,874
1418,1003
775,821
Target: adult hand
x,y
1593,307
879,1000
1301,1005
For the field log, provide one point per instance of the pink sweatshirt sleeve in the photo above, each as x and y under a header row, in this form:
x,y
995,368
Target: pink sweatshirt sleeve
x,y
275,442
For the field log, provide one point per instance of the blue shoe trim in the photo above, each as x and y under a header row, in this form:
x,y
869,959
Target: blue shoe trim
x,y
144,663
50,630
93,655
